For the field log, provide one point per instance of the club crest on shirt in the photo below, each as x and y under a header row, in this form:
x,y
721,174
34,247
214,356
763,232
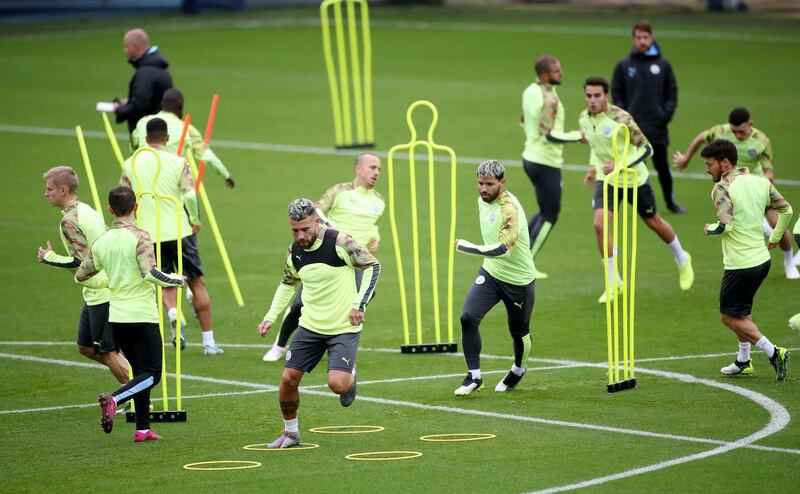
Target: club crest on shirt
x,y
752,153
492,217
631,71
606,130
655,69
480,280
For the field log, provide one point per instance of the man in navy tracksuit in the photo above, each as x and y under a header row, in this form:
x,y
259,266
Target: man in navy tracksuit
x,y
644,85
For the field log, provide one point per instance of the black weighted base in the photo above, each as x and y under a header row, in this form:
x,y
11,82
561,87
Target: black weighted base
x,y
621,385
176,416
361,145
430,348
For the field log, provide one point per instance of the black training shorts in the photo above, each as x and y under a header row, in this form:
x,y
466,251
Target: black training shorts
x,y
308,347
93,326
192,267
645,200
739,287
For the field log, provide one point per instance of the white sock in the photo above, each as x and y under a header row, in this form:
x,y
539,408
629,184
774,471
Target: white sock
x,y
476,373
744,352
765,346
517,370
766,228
677,252
278,347
142,431
291,425
208,337
788,257
173,314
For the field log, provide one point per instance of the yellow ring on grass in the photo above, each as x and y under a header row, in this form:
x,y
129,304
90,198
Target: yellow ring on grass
x,y
263,447
241,465
374,456
347,429
452,438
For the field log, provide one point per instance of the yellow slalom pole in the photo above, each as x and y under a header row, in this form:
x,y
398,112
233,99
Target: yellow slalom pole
x,y
88,165
329,66
355,65
367,50
217,235
113,140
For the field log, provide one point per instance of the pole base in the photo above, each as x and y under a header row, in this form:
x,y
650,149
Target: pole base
x,y
430,348
169,416
621,385
356,145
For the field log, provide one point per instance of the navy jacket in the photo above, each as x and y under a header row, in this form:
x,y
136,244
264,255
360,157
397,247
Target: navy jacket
x,y
644,85
146,88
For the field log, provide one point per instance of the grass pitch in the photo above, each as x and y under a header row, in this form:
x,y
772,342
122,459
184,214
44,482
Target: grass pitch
x,y
274,131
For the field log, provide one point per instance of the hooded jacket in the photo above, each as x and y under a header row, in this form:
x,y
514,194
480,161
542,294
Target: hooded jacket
x,y
146,88
644,85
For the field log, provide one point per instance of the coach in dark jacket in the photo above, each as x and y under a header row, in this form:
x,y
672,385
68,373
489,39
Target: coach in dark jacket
x,y
149,81
644,85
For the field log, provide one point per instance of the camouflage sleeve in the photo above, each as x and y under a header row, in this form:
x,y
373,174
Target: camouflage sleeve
x,y
547,117
78,244
325,203
353,254
145,256
88,268
778,203
723,204
765,160
189,195
509,228
290,275
713,132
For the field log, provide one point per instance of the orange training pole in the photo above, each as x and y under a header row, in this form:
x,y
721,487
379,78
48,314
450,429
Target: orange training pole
x,y
212,114
182,140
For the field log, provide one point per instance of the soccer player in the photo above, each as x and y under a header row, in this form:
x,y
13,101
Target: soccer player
x,y
755,152
740,198
794,321
125,254
507,274
543,122
175,180
172,113
597,123
79,227
333,310
353,208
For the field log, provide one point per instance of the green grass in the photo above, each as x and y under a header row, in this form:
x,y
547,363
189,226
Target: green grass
x,y
473,64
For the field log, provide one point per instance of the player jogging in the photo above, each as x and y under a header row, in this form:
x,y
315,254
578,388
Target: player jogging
x,y
507,274
332,315
740,198
126,255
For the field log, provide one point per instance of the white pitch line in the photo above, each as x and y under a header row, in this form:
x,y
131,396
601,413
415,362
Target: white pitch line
x,y
327,151
560,364
779,419
549,29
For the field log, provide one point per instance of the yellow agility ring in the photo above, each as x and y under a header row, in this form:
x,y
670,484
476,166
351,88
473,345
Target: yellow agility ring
x,y
347,429
233,465
263,447
453,438
384,456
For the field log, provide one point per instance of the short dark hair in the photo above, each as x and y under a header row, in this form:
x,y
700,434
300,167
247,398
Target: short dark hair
x,y
642,26
122,200
738,116
157,129
543,64
172,101
721,149
596,81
